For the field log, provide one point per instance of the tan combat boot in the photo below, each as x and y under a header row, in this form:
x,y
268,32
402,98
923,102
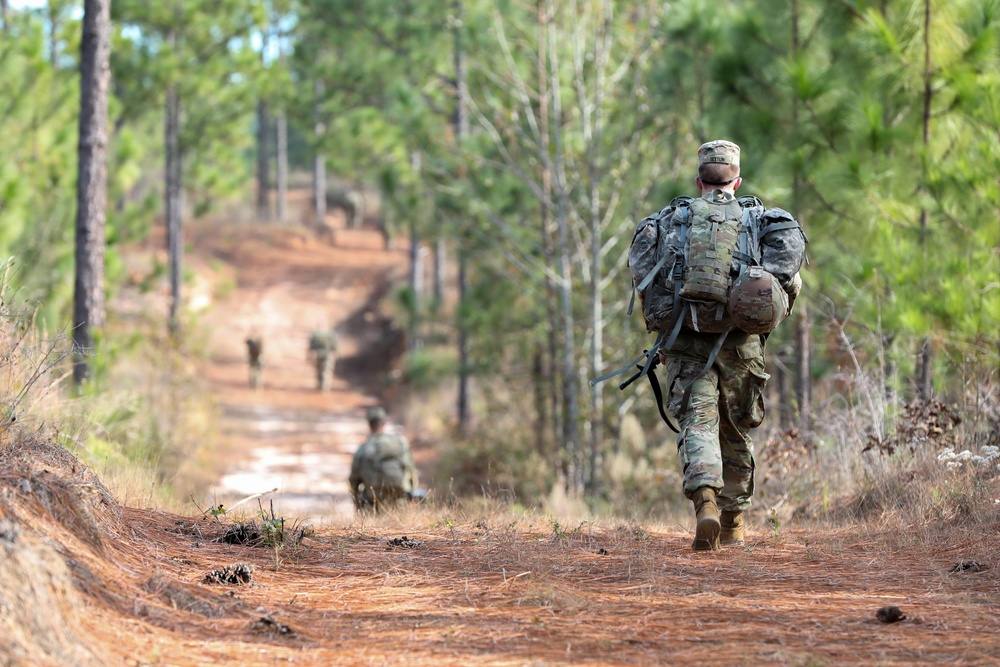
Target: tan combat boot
x,y
706,535
732,528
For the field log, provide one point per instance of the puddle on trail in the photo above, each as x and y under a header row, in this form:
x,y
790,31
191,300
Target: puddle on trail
x,y
305,454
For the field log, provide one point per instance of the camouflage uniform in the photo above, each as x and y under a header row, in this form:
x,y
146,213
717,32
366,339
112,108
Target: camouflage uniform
x,y
727,401
323,351
382,471
714,444
255,351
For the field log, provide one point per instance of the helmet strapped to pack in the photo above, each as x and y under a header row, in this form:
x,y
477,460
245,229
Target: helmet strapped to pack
x,y
757,303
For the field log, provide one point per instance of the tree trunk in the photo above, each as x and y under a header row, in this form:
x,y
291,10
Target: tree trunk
x,y
553,428
92,180
440,258
924,373
54,20
781,389
416,278
175,246
282,156
461,133
5,16
319,160
803,363
263,162
571,408
463,345
803,375
596,464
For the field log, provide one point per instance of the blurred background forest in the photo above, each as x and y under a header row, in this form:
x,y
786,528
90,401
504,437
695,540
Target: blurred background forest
x,y
513,146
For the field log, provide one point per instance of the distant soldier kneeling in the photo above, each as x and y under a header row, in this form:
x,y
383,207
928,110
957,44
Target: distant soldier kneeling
x,y
382,472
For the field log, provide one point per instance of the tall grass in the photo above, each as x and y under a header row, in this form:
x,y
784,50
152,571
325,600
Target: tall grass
x,y
143,422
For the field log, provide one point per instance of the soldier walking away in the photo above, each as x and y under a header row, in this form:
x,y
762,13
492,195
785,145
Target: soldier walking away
x,y
382,471
715,275
323,354
255,352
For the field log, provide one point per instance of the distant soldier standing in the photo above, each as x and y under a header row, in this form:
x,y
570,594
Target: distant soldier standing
x,y
255,351
382,472
323,353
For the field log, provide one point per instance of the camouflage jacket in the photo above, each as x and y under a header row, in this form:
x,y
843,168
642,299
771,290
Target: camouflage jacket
x,y
322,342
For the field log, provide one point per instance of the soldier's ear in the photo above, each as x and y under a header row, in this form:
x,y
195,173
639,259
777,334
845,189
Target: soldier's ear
x,y
698,183
737,183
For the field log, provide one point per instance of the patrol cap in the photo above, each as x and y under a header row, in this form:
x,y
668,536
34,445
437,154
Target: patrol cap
x,y
375,414
719,151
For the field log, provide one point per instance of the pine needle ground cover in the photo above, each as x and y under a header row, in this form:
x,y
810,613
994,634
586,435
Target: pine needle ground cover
x,y
436,586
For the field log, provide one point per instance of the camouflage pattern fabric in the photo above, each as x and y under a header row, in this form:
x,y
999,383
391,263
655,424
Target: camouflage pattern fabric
x,y
322,350
382,471
714,444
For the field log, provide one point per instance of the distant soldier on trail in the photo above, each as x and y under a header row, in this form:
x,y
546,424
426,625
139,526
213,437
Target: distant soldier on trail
x,y
255,352
323,353
382,472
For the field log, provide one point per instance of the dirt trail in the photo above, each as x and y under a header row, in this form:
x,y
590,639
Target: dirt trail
x,y
288,282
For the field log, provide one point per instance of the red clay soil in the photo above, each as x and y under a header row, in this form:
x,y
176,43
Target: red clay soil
x,y
85,581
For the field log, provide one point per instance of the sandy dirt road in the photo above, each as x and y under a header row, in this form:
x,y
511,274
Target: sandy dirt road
x,y
287,435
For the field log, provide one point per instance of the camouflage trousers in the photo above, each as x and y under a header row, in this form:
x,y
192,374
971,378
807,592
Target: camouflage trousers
x,y
714,444
256,374
324,367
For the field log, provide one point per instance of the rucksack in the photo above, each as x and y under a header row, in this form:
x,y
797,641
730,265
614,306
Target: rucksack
x,y
255,346
711,265
322,342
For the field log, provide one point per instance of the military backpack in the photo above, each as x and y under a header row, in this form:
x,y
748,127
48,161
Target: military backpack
x,y
711,265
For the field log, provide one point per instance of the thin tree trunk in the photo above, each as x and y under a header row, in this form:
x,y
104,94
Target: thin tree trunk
x,y
461,134
92,180
803,363
282,156
924,368
571,408
5,16
803,376
440,258
594,227
263,162
925,375
463,345
553,429
54,21
416,278
175,248
319,160
781,389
